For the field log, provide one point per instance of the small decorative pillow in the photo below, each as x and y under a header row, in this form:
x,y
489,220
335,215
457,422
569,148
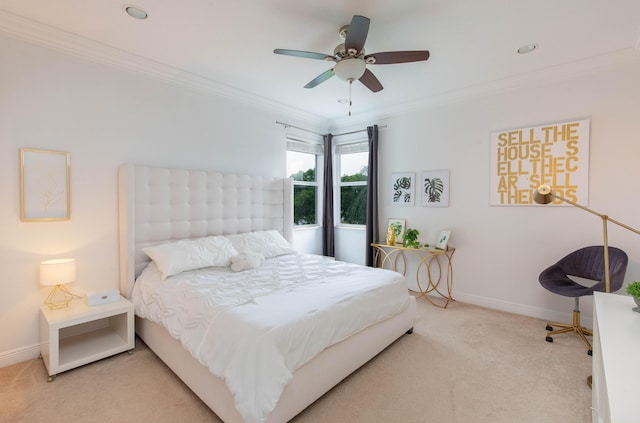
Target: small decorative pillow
x,y
268,243
190,254
246,261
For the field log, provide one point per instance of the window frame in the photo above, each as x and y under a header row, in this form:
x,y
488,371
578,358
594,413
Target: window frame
x,y
347,147
315,148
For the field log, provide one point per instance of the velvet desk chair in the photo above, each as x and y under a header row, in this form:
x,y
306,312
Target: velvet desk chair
x,y
585,263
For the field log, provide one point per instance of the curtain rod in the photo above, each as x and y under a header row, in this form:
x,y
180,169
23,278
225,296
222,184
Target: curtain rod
x,y
286,125
359,130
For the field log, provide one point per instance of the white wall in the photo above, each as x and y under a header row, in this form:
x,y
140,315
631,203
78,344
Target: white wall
x,y
350,244
103,117
500,251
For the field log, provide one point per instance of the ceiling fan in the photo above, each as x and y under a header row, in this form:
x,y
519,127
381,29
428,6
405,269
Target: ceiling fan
x,y
350,58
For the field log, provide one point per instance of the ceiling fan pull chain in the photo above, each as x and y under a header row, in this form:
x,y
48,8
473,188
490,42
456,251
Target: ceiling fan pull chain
x,y
350,82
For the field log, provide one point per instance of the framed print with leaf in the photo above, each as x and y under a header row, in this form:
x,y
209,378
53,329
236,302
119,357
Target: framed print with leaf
x,y
44,185
435,188
398,226
443,240
403,189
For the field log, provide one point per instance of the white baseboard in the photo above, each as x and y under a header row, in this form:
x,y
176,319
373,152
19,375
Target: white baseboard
x,y
7,358
525,310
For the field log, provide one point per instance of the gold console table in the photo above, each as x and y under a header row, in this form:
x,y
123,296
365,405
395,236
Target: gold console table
x,y
390,254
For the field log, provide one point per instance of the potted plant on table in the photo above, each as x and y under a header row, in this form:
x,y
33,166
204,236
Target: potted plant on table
x,y
410,238
633,289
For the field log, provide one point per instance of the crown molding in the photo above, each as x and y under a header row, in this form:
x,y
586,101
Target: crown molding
x,y
54,38
551,75
44,35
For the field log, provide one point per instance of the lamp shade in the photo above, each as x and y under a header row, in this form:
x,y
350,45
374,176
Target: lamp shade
x,y
57,272
349,69
543,195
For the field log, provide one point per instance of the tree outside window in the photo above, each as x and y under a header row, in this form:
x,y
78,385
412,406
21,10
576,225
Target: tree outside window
x,y
353,188
301,167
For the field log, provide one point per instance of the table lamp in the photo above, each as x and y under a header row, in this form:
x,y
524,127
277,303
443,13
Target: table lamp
x,y
544,195
56,273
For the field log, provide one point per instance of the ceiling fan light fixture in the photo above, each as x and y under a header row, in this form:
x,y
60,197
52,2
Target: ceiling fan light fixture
x,y
350,58
349,69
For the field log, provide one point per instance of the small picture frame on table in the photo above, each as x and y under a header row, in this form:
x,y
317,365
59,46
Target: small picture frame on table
x,y
443,240
398,226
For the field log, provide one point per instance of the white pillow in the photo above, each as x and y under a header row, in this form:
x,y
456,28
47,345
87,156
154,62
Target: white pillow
x,y
268,243
190,254
246,261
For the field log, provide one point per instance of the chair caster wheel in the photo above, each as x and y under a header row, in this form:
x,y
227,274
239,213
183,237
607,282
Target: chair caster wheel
x,y
590,352
549,328
548,339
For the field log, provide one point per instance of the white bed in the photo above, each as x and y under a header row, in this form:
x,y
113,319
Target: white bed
x,y
159,205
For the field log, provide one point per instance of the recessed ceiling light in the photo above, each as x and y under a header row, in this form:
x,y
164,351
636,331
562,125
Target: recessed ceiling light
x,y
527,48
135,11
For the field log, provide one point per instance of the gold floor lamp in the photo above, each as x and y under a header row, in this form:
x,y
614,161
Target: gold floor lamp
x,y
544,195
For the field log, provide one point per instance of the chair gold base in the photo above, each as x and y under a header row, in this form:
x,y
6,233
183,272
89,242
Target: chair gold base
x,y
573,327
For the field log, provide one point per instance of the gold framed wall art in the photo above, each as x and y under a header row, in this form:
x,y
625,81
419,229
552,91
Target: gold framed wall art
x,y
555,154
44,185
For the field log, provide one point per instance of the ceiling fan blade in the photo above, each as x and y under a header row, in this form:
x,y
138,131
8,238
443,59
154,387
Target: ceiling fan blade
x,y
357,33
320,78
390,57
370,81
305,54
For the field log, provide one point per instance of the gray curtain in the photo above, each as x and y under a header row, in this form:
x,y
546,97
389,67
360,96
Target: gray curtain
x,y
328,242
372,233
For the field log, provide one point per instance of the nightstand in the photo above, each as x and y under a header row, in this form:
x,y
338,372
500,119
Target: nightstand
x,y
78,335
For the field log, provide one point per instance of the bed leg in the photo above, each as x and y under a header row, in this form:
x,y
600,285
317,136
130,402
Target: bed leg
x,y
410,331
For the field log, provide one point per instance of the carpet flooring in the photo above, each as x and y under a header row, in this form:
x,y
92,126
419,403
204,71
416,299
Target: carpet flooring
x,y
463,364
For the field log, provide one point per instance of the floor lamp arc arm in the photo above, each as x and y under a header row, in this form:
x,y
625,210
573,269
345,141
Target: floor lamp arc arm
x,y
603,216
622,225
544,195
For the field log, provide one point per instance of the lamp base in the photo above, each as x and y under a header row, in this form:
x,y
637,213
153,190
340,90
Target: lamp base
x,y
60,297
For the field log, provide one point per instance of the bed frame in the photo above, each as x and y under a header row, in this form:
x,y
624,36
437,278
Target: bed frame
x,y
159,205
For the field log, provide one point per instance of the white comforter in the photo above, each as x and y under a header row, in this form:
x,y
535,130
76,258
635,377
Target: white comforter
x,y
254,328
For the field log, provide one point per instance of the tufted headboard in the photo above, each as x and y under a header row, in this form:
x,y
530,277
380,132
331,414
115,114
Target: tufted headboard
x,y
158,205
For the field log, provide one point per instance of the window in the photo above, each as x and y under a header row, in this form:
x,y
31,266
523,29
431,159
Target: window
x,y
302,167
353,162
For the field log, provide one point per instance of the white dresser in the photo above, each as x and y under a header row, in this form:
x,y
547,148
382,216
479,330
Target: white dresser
x,y
616,359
